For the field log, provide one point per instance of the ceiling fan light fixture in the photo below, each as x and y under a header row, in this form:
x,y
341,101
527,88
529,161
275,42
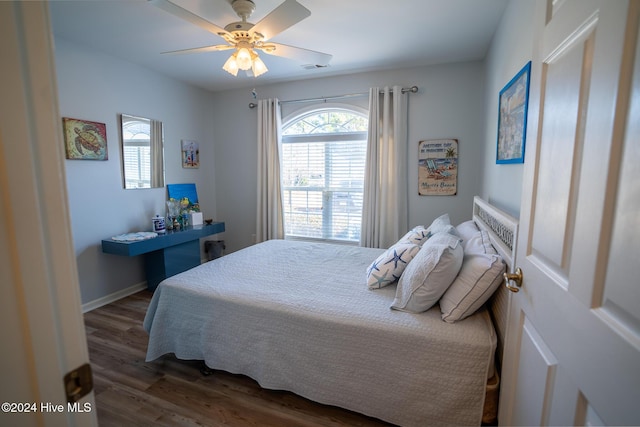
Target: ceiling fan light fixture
x,y
231,66
258,67
243,58
238,61
245,37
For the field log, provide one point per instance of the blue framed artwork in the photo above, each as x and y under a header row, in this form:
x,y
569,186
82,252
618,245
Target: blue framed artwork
x,y
179,191
512,118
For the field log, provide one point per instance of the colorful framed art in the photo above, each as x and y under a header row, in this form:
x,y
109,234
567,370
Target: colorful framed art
x,y
512,118
438,167
190,154
84,140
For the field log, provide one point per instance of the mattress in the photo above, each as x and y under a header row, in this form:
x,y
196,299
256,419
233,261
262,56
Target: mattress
x,y
299,316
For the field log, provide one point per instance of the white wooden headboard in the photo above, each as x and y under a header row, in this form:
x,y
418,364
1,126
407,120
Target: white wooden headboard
x,y
503,232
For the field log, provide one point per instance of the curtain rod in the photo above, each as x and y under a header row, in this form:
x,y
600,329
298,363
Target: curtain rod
x,y
412,89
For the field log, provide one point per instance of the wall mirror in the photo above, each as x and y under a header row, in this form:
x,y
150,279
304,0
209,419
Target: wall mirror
x,y
141,144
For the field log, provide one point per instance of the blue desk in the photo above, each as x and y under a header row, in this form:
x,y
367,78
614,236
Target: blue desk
x,y
168,254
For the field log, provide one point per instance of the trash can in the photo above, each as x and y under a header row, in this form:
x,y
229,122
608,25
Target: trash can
x,y
214,249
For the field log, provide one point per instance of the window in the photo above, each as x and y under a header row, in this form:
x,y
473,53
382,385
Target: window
x,y
323,156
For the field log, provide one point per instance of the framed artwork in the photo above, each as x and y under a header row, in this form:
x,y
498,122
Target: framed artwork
x,y
180,191
438,167
190,154
84,140
512,118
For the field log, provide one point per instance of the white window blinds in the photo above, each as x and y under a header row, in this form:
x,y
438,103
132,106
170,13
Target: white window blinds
x,y
136,152
323,155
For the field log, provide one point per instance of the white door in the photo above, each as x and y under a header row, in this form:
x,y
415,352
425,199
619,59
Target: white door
x,y
573,345
41,325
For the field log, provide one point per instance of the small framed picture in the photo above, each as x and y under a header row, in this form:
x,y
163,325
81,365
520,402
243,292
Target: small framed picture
x,y
84,140
190,154
512,118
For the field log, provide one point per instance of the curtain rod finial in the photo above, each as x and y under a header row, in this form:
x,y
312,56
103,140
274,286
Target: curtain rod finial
x,y
252,105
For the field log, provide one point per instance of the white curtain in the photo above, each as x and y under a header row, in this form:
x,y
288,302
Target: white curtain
x,y
270,217
384,213
155,148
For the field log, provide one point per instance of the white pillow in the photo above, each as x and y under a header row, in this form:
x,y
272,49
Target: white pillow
x,y
442,224
466,230
388,267
479,243
478,279
429,274
420,234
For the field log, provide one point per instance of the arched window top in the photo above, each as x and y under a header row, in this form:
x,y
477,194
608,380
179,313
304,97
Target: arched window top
x,y
327,121
136,130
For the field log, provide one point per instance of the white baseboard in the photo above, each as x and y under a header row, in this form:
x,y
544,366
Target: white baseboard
x,y
107,299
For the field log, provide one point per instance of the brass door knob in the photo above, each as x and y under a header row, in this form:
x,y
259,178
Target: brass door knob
x,y
516,277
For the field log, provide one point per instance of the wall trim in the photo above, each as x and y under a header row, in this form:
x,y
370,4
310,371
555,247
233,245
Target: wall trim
x,y
107,299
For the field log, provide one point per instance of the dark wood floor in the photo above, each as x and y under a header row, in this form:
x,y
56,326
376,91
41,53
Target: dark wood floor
x,y
171,392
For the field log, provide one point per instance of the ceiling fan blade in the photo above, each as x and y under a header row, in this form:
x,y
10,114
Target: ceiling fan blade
x,y
180,12
279,19
203,49
299,54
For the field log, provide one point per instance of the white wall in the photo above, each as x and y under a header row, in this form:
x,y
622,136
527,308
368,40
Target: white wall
x,y
449,104
97,87
511,49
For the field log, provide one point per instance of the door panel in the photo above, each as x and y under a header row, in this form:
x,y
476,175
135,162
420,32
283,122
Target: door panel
x,y
565,84
564,413
621,301
536,374
572,351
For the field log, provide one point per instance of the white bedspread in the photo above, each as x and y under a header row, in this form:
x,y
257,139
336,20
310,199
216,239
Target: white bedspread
x,y
299,316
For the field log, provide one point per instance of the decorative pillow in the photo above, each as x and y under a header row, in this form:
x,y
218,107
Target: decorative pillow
x,y
388,267
420,234
417,235
479,243
466,230
478,279
430,273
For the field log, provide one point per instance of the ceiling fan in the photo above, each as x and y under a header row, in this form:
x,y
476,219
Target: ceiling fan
x,y
245,38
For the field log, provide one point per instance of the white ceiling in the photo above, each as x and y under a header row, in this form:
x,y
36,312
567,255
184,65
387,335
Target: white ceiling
x,y
361,35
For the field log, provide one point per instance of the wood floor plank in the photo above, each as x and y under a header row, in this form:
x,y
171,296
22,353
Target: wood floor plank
x,y
171,392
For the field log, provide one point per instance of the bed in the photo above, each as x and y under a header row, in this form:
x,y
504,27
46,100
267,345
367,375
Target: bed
x,y
298,316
